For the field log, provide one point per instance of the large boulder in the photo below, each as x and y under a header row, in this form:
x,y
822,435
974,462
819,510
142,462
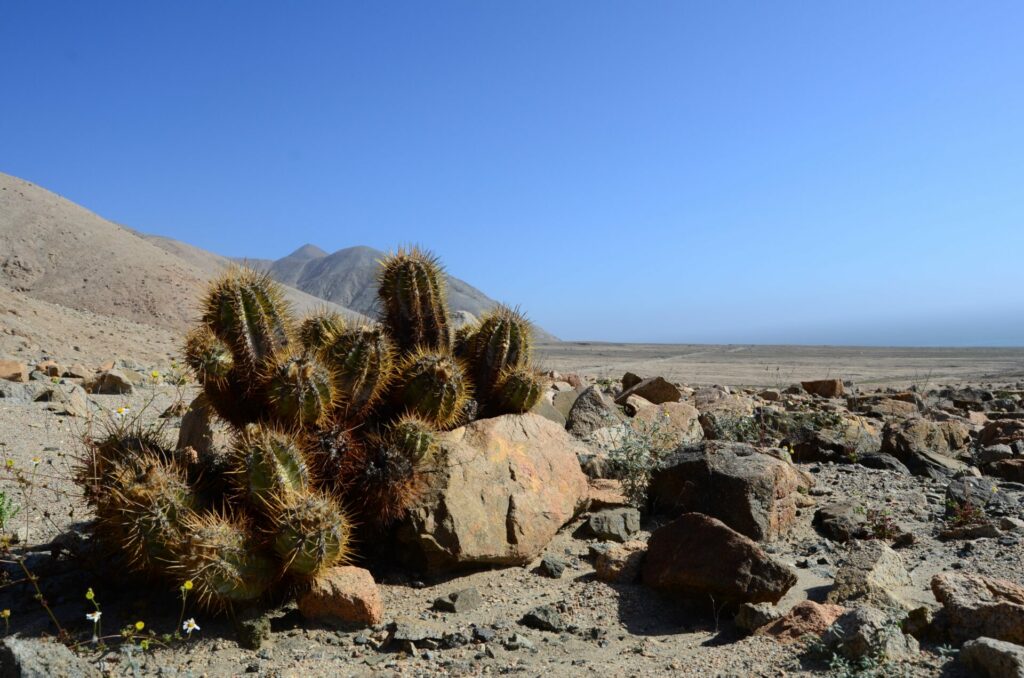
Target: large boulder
x,y
500,490
699,558
871,574
655,389
923,446
974,606
751,492
591,411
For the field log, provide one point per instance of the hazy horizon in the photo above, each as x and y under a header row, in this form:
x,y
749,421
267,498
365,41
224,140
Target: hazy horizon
x,y
795,174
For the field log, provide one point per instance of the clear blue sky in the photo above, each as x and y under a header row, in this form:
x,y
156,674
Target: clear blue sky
x,y
734,172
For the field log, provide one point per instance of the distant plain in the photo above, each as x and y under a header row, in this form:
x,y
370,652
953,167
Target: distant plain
x,y
780,366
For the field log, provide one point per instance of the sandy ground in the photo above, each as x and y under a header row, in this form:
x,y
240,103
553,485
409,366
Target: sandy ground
x,y
780,366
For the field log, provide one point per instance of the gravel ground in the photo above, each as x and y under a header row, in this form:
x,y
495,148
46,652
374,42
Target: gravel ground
x,y
611,630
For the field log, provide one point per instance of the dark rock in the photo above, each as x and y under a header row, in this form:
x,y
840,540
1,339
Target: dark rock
x,y
993,453
552,567
617,524
459,601
544,618
841,522
696,556
629,380
252,627
592,411
751,492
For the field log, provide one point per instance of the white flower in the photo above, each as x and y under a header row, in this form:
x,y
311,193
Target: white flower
x,y
190,625
94,616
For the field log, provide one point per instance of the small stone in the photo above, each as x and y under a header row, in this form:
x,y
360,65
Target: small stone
x,y
483,634
518,642
344,593
619,563
544,618
752,616
552,567
618,524
252,627
459,601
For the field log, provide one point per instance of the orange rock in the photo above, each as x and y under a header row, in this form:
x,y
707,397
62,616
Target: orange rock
x,y
805,618
606,493
620,563
346,593
11,370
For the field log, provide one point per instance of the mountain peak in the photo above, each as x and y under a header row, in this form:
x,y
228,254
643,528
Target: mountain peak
x,y
307,251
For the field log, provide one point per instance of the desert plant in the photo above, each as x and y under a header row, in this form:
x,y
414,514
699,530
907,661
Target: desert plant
x,y
638,454
333,426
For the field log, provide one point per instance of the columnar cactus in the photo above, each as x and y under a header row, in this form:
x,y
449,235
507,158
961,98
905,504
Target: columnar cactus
x,y
329,420
433,385
412,292
362,360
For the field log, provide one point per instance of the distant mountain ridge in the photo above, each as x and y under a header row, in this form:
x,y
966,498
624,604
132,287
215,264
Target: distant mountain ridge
x,y
348,278
58,252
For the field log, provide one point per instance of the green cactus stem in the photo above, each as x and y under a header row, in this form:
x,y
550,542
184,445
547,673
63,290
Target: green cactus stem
x,y
412,288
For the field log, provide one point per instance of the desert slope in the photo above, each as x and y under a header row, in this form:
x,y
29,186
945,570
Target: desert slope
x,y
54,250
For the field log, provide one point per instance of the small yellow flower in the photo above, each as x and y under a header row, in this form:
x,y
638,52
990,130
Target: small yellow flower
x,y
139,625
187,585
5,614
35,461
155,374
10,463
121,410
89,595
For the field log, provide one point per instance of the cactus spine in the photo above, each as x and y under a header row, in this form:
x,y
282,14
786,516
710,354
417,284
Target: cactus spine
x,y
247,311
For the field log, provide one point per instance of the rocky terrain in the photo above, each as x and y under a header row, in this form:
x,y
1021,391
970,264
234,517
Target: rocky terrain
x,y
818,527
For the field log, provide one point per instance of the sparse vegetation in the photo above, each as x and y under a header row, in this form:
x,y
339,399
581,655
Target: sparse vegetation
x,y
637,455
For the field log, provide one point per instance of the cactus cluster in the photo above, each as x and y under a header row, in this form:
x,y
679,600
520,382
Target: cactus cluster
x,y
333,425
